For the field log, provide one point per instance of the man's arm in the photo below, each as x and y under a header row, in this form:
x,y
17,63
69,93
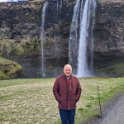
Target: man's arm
x,y
78,91
56,90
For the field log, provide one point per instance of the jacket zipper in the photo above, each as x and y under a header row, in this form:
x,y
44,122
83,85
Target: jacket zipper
x,y
72,83
67,91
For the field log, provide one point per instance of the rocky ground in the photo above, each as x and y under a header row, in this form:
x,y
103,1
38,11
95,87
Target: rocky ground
x,y
112,112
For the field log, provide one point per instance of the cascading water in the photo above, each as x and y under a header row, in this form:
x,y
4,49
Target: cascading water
x,y
52,22
91,43
57,35
42,38
59,7
81,39
83,69
73,39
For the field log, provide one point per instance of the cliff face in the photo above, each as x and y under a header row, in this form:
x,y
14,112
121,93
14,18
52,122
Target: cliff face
x,y
19,20
109,28
20,26
19,29
109,36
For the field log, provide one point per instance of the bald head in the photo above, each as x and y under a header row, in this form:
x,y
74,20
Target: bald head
x,y
67,70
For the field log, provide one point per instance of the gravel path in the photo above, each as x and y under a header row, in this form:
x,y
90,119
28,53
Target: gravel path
x,y
116,115
113,113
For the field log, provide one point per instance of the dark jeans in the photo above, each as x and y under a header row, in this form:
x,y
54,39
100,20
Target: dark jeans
x,y
67,116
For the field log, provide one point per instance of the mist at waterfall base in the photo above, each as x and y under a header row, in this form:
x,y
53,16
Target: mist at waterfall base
x,y
32,67
81,38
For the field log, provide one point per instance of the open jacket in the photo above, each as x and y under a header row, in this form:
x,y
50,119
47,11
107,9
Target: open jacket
x,y
67,92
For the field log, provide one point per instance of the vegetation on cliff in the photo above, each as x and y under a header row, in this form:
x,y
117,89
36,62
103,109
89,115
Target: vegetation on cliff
x,y
19,48
9,69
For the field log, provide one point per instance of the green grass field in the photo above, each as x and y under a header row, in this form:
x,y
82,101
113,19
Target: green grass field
x,y
31,101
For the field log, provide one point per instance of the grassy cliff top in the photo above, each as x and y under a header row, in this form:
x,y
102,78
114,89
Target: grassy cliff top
x,y
111,1
35,4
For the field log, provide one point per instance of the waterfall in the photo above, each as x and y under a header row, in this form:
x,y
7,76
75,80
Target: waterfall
x,y
57,35
73,39
91,45
85,40
81,38
42,38
59,7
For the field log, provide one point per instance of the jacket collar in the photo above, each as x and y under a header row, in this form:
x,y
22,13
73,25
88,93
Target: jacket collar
x,y
67,77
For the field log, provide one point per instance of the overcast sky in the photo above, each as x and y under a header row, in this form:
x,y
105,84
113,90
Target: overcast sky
x,y
8,0
11,0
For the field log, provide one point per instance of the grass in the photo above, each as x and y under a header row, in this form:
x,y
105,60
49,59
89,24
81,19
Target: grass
x,y
108,87
110,1
30,101
115,69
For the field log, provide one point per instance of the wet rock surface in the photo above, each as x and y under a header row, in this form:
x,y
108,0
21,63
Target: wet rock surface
x,y
109,28
20,26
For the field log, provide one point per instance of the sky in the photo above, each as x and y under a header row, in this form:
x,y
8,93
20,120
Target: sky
x,y
6,0
11,0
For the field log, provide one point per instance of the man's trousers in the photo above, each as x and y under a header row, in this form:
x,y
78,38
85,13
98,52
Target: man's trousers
x,y
67,116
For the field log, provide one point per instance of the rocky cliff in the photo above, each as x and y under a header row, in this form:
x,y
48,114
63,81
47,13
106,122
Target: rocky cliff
x,y
19,33
109,36
109,28
20,26
19,20
20,23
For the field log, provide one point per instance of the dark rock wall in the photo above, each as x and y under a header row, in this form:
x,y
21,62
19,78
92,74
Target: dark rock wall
x,y
19,20
20,26
20,31
22,22
109,37
109,29
57,27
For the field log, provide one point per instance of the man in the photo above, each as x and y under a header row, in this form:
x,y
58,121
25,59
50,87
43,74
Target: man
x,y
67,91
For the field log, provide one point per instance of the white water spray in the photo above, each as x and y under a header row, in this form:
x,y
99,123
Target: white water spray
x,y
42,38
83,66
73,39
81,37
83,69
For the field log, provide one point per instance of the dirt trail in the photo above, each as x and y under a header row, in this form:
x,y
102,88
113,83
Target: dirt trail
x,y
113,113
116,115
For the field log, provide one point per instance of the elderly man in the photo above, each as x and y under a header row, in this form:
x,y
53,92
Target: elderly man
x,y
67,91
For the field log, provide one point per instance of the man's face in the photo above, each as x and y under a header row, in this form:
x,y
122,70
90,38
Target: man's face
x,y
67,70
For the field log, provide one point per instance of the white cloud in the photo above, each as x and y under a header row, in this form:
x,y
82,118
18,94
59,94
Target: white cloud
x,y
11,0
4,0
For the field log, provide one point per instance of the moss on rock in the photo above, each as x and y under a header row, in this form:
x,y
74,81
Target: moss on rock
x,y
9,69
116,70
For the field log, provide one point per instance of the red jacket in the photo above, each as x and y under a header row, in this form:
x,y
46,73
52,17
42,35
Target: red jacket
x,y
67,92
